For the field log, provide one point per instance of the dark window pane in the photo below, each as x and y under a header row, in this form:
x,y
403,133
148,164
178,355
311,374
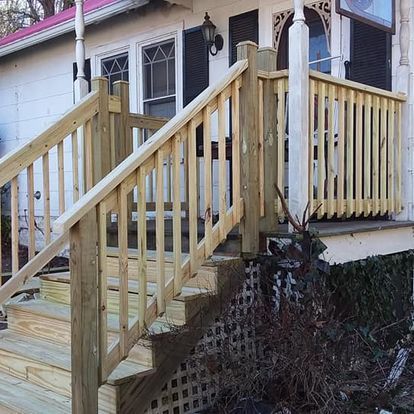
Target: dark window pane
x,y
165,108
115,68
159,79
171,77
147,82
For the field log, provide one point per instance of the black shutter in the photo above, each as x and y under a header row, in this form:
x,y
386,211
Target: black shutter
x,y
241,28
87,72
370,56
196,76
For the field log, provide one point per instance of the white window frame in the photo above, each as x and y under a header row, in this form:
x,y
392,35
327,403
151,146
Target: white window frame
x,y
153,40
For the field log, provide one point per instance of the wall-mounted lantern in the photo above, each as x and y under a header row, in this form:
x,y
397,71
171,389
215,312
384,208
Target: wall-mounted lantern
x,y
208,29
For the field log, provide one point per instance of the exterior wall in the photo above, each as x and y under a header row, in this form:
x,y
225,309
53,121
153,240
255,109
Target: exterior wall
x,y
36,83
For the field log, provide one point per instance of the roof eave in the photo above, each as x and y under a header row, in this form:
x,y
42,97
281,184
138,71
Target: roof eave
x,y
92,17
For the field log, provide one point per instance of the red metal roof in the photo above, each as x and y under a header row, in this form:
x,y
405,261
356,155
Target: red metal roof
x,y
62,17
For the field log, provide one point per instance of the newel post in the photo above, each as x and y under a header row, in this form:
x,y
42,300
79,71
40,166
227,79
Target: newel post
x,y
84,315
266,61
298,111
123,139
249,146
407,133
101,141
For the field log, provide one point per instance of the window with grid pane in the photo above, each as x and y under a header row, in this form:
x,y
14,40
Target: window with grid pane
x,y
159,79
115,68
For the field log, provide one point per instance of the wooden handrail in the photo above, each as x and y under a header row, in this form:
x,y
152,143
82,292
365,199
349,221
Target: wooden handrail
x,y
17,160
148,148
146,121
356,86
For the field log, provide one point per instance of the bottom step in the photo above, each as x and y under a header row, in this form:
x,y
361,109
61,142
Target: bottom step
x,y
21,397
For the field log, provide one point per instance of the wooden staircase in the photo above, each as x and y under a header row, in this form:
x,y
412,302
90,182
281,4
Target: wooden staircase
x,y
35,353
105,336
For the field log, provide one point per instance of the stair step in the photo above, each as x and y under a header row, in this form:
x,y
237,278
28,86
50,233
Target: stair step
x,y
49,320
22,397
206,277
187,293
48,364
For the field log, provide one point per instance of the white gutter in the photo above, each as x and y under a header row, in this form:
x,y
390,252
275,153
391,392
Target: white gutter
x,y
93,17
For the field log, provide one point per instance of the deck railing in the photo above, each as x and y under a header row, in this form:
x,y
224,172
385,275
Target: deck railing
x,y
354,147
86,222
95,130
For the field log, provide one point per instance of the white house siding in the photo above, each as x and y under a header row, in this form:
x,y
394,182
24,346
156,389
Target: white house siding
x,y
36,83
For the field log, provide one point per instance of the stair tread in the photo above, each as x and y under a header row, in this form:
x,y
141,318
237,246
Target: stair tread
x,y
58,356
60,311
187,293
23,397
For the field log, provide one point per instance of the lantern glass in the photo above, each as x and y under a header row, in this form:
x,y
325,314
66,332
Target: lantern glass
x,y
208,29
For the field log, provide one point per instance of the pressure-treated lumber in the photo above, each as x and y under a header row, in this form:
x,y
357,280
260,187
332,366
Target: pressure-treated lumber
x,y
249,156
266,61
84,316
112,180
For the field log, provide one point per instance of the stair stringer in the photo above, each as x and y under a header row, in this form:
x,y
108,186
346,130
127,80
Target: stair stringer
x,y
136,395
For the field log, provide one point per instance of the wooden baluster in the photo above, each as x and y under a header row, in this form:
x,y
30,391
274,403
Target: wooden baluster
x,y
159,231
151,178
208,214
340,196
367,156
331,151
383,157
176,176
31,212
281,125
112,139
235,107
311,142
261,148
75,166
222,165
84,314
46,198
321,149
391,187
88,155
350,154
15,224
375,155
61,177
192,194
123,268
398,160
359,208
102,290
142,246
168,167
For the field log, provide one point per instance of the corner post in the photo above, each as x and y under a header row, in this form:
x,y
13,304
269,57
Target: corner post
x,y
84,315
298,112
249,157
266,61
407,133
101,138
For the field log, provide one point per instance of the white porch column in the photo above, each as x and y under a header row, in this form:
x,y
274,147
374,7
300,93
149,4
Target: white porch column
x,y
403,85
81,85
298,111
